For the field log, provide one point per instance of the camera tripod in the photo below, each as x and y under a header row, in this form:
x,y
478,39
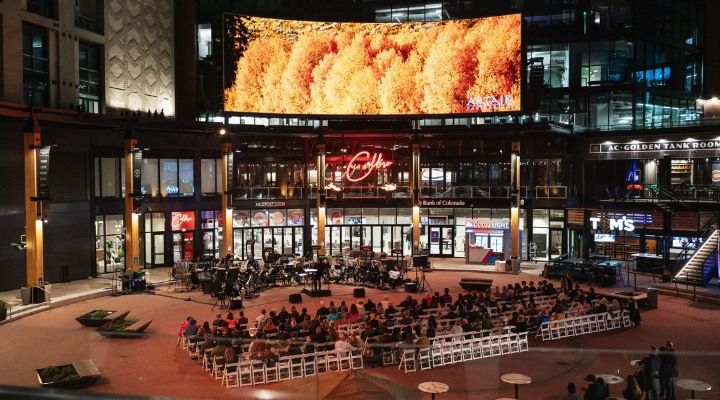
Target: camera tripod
x,y
422,284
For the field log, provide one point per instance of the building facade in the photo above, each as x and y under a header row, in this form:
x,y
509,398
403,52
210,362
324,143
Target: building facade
x,y
610,129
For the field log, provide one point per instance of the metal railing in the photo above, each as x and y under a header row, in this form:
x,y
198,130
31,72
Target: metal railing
x,y
267,193
659,193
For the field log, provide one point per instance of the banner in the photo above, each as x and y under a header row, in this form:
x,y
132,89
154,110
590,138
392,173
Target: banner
x,y
43,173
230,172
137,171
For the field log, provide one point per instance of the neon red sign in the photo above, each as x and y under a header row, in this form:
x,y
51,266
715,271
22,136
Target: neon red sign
x,y
184,220
370,164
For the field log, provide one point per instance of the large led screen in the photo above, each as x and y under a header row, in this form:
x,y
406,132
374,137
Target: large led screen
x,y
328,68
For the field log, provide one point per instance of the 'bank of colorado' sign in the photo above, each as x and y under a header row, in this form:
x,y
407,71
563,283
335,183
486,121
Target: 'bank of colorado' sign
x,y
436,203
655,146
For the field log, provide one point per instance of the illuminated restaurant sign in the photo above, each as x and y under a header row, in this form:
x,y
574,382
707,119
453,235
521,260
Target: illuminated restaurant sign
x,y
666,145
183,221
362,165
613,224
484,223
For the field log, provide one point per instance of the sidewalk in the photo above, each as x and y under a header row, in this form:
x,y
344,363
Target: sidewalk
x,y
71,292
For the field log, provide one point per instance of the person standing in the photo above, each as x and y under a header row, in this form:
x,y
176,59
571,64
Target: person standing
x,y
668,371
651,370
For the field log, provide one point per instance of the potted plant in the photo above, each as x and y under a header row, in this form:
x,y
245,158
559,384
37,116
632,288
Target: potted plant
x,y
3,310
96,318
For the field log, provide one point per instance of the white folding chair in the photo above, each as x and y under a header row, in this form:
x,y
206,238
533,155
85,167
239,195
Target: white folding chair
x,y
593,323
272,373
283,368
333,361
230,377
356,359
218,367
245,373
258,372
297,369
424,359
495,346
523,341
407,360
438,358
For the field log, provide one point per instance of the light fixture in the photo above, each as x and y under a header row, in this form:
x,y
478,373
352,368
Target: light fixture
x,y
389,187
222,131
45,219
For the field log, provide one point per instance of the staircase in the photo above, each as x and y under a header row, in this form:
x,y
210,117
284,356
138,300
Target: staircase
x,y
698,270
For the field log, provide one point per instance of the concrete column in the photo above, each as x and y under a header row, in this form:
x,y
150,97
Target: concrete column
x,y
415,191
321,197
227,241
515,207
132,240
33,209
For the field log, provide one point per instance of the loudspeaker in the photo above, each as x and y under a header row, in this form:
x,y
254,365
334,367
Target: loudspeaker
x,y
236,304
295,298
359,292
411,287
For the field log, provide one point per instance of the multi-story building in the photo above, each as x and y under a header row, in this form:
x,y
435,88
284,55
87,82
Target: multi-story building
x,y
616,120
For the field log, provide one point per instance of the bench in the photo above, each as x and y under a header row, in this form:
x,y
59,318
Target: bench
x,y
478,284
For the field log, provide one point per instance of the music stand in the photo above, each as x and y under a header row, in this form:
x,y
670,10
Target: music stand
x,y
367,252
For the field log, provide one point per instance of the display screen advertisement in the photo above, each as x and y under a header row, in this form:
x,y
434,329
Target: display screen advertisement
x,y
467,66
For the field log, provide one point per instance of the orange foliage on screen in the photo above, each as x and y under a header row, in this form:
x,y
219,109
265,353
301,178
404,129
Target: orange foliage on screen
x,y
446,67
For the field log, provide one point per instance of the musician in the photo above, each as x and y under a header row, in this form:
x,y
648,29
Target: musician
x,y
317,275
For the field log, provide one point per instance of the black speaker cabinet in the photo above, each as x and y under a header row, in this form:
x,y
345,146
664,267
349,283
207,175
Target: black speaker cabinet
x,y
411,287
295,298
359,292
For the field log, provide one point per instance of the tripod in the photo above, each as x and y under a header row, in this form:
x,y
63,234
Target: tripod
x,y
220,295
422,284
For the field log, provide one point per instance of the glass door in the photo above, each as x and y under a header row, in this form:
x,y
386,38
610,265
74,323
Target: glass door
x,y
555,247
182,246
158,249
441,241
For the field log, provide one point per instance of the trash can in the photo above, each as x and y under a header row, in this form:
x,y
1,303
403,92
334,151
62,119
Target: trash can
x,y
652,298
25,295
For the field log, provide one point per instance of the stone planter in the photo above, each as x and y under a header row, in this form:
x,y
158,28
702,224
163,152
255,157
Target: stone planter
x,y
78,375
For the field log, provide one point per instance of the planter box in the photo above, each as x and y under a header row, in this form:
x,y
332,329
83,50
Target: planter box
x,y
124,328
78,375
96,319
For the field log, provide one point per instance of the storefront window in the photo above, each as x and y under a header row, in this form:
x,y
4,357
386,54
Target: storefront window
x,y
109,243
241,218
387,216
211,232
211,176
109,177
149,177
295,217
370,216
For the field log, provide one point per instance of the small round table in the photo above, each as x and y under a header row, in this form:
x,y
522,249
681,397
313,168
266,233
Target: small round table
x,y
693,385
433,388
516,379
